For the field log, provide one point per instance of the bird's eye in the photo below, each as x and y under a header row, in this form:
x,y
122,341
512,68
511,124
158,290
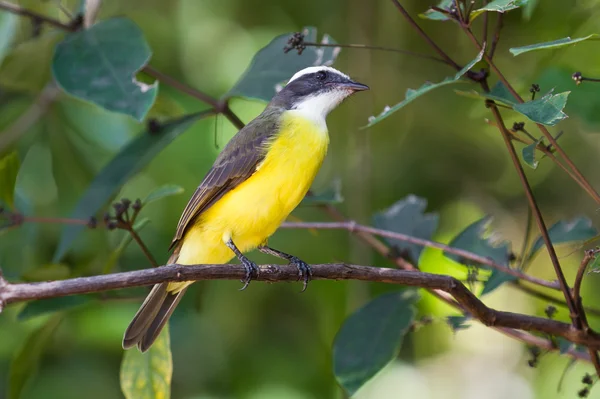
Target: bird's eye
x,y
321,75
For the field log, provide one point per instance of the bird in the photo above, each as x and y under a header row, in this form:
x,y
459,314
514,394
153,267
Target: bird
x,y
256,181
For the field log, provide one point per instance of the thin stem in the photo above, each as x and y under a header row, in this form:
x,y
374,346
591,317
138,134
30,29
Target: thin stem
x,y
549,298
142,246
537,215
16,9
496,38
484,34
380,48
523,254
354,227
45,220
425,36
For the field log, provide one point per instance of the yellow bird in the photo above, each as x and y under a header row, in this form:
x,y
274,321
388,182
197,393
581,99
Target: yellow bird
x,y
258,179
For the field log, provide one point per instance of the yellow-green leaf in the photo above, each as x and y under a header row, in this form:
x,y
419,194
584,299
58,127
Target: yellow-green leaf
x,y
148,375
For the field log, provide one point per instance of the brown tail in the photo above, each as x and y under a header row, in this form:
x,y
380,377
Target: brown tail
x,y
149,321
152,316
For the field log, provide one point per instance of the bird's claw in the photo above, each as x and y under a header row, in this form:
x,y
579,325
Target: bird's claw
x,y
250,269
304,271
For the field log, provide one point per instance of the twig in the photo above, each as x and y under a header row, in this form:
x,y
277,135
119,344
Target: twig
x,y
496,38
353,227
12,293
380,48
546,297
523,254
17,9
425,36
35,111
536,214
484,34
142,246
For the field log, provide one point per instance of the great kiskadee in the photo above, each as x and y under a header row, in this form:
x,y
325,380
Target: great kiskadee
x,y
261,175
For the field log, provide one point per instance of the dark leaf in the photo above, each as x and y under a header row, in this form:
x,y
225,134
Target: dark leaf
x,y
567,41
495,280
472,239
25,363
148,375
371,338
407,217
562,232
271,67
412,94
99,65
51,305
458,322
130,160
529,154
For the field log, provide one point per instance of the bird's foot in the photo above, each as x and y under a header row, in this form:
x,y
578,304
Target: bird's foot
x,y
251,268
304,271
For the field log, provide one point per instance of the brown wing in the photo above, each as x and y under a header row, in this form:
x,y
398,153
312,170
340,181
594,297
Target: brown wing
x,y
234,165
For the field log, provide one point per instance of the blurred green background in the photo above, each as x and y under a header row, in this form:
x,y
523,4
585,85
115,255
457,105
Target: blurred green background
x,y
269,341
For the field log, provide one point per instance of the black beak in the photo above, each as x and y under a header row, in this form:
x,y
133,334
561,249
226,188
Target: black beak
x,y
355,86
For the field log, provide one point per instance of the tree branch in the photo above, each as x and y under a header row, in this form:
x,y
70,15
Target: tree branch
x,y
11,293
353,227
17,9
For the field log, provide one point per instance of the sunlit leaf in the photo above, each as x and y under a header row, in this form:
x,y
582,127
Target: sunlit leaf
x,y
567,41
472,239
99,65
271,67
412,94
25,363
167,190
331,196
408,216
51,305
436,15
529,154
148,375
130,160
51,271
498,6
9,169
547,110
562,232
371,338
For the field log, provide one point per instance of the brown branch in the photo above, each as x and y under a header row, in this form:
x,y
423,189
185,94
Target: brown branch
x,y
496,38
353,226
425,36
11,293
17,9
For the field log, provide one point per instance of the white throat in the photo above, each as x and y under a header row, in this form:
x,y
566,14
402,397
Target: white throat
x,y
316,107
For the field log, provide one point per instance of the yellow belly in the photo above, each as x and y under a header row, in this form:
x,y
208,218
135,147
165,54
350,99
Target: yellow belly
x,y
251,212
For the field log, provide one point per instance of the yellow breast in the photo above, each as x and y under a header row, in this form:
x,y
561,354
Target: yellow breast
x,y
251,212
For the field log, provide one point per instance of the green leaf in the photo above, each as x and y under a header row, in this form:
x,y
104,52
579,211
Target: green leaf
x,y
498,6
427,87
407,217
331,196
130,160
148,375
529,153
271,67
371,338
457,323
567,41
52,271
117,252
472,239
547,110
99,65
25,363
564,346
162,192
595,264
436,15
51,305
498,93
562,232
529,9
9,169
495,280
8,25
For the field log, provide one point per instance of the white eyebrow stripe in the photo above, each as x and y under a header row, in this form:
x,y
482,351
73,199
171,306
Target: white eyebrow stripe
x,y
314,69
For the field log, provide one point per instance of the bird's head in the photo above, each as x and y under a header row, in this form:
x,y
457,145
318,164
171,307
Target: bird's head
x,y
316,91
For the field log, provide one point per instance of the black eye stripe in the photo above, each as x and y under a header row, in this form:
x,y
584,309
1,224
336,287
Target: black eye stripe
x,y
321,75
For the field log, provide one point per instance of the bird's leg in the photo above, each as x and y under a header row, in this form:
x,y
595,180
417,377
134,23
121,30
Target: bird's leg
x,y
304,270
248,264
